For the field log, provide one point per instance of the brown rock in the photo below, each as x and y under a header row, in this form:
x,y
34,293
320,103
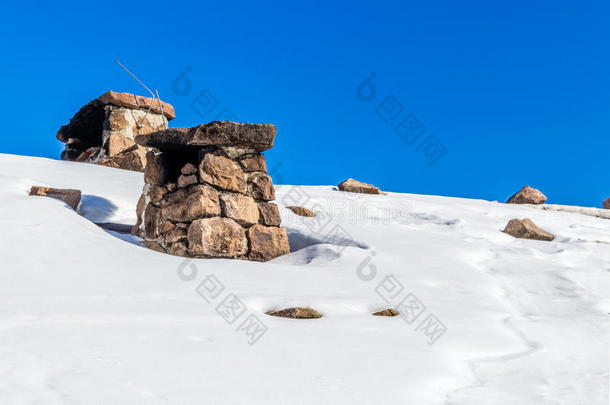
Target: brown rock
x,y
222,172
132,101
254,163
115,119
233,152
296,313
89,154
152,217
386,312
176,235
166,226
260,186
241,208
171,187
267,242
185,181
269,214
526,229
154,246
218,133
117,143
141,205
70,196
188,169
178,249
156,168
355,186
302,211
156,193
130,159
527,195
606,204
185,206
217,237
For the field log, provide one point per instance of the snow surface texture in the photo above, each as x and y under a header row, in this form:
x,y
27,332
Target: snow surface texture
x,y
87,317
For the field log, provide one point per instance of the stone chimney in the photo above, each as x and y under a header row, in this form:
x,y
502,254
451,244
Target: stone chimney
x,y
207,193
103,131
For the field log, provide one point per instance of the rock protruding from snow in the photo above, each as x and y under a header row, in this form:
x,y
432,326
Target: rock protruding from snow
x,y
527,195
219,192
386,312
301,211
355,186
606,204
103,131
69,196
526,229
296,313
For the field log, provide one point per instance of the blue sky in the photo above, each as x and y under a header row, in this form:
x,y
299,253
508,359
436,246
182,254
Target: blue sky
x,y
515,92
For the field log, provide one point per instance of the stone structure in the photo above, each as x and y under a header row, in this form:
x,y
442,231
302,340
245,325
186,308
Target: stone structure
x,y
103,131
207,193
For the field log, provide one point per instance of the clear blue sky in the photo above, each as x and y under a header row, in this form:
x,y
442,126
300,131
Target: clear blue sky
x,y
517,92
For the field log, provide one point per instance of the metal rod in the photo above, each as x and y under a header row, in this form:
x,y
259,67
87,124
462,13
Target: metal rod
x,y
132,75
161,108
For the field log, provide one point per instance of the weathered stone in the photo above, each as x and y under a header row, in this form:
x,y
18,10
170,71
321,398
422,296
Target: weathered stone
x,y
269,214
355,186
154,246
166,226
132,101
198,202
70,196
176,235
185,181
130,159
156,193
527,195
117,143
217,237
526,229
606,204
301,211
89,154
222,172
171,187
178,249
386,312
140,206
188,169
152,217
241,208
267,242
258,137
156,168
233,152
296,313
254,163
260,186
115,120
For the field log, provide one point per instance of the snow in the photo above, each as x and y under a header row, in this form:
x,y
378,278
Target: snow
x,y
89,316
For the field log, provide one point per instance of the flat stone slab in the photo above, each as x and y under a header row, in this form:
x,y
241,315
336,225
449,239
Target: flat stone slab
x,y
132,101
258,137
